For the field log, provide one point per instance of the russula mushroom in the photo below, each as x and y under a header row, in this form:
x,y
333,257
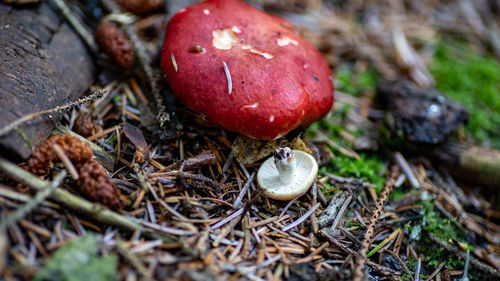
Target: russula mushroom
x,y
288,174
245,70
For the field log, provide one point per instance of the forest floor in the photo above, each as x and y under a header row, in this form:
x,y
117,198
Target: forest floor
x,y
386,203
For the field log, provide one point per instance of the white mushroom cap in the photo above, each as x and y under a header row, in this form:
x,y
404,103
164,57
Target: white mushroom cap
x,y
287,174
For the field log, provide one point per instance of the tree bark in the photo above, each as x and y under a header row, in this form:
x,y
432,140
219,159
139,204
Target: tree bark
x,y
43,64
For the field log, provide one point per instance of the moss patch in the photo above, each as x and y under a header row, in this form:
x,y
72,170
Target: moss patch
x,y
369,167
355,83
78,261
474,81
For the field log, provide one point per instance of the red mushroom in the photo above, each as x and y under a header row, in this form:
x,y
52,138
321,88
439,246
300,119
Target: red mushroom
x,y
245,70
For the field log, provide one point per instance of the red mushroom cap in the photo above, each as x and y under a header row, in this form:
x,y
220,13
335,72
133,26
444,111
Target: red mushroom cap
x,y
245,70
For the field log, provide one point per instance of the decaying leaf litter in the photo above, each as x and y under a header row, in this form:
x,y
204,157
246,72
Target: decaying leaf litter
x,y
193,211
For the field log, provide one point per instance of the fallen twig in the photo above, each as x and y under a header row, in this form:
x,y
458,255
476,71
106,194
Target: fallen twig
x,y
361,260
42,194
25,118
80,205
77,25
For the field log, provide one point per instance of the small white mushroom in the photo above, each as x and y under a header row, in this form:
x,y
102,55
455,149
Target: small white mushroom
x,y
287,174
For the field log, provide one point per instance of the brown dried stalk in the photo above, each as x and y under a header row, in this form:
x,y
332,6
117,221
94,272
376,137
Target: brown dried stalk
x,y
361,259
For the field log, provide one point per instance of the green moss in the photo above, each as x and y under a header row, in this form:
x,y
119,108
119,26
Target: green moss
x,y
370,167
350,223
474,81
399,193
355,83
441,227
78,261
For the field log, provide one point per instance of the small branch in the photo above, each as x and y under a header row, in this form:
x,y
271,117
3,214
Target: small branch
x,y
41,195
301,219
391,274
341,212
107,160
406,169
417,270
77,26
16,123
134,260
144,63
474,263
361,260
82,206
67,163
243,191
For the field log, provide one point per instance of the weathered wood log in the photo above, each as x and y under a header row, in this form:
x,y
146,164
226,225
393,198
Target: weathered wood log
x,y
43,64
470,162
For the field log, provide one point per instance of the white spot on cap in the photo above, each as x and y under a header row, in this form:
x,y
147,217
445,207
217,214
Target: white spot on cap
x,y
236,29
264,54
255,105
283,41
258,52
271,119
174,63
206,12
228,78
181,10
224,39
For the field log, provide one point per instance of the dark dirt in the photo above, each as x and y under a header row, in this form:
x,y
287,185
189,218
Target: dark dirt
x,y
423,116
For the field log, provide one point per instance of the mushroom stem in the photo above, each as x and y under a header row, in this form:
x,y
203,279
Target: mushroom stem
x,y
284,159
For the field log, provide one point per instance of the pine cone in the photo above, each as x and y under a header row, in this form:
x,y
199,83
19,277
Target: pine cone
x,y
95,184
77,151
115,44
84,124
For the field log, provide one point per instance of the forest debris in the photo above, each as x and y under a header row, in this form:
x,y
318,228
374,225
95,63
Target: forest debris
x,y
79,205
135,136
66,161
406,169
93,181
166,125
206,157
368,236
40,196
474,264
347,152
141,7
77,151
107,160
422,116
409,59
84,124
95,184
302,218
248,150
471,162
333,212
